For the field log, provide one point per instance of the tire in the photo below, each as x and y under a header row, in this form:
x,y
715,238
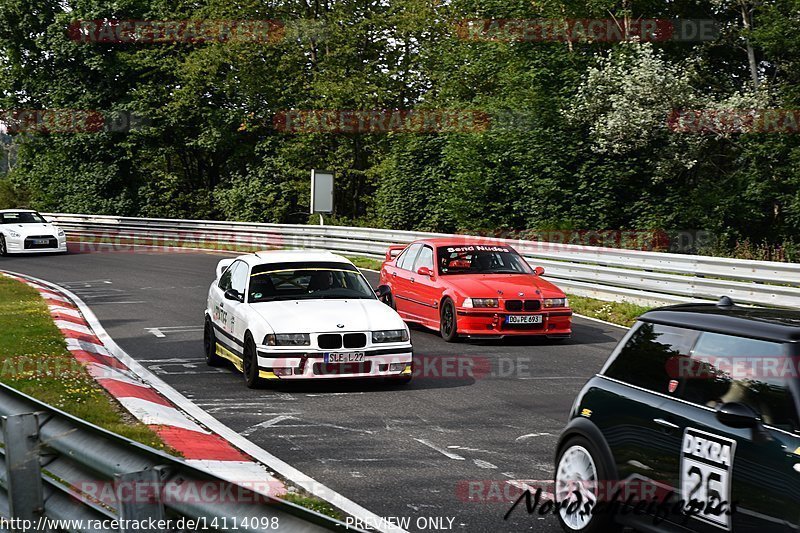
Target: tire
x,y
250,364
448,322
3,249
579,459
210,345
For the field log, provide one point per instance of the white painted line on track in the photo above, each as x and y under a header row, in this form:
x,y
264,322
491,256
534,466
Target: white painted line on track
x,y
267,423
444,452
606,322
253,450
480,463
531,436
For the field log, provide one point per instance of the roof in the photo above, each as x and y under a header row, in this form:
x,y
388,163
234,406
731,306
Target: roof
x,y
17,210
292,256
462,241
781,325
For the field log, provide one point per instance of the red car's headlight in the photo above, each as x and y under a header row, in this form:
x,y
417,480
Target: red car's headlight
x,y
481,302
555,302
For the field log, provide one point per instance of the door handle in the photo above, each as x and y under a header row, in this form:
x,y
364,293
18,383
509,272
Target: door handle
x,y
665,423
394,274
221,305
412,280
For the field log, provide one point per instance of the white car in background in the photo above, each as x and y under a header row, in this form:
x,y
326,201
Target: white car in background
x,y
25,230
288,315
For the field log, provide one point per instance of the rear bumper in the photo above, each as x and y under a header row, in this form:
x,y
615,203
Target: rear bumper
x,y
385,363
472,322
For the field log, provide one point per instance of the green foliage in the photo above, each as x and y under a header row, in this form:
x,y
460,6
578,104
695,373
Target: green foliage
x,y
576,133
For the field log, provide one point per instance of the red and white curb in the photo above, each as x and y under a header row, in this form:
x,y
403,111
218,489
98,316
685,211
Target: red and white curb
x,y
204,441
199,446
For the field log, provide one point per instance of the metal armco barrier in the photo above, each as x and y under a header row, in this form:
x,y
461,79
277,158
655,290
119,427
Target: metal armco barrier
x,y
55,467
605,273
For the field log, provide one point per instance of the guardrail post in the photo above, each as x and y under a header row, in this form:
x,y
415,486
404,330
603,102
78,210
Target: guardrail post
x,y
21,436
139,498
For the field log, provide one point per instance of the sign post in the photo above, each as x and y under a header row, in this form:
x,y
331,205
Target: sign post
x,y
321,193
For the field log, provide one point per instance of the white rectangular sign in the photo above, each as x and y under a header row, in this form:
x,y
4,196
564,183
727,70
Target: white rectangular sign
x,y
321,191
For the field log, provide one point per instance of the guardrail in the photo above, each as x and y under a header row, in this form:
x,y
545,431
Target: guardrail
x,y
55,467
606,273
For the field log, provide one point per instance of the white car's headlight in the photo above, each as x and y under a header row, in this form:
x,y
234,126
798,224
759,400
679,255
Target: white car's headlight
x,y
390,335
287,339
60,232
14,234
481,302
556,302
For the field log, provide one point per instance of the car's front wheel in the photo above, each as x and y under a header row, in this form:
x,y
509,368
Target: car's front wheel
x,y
210,345
3,249
448,324
580,479
250,364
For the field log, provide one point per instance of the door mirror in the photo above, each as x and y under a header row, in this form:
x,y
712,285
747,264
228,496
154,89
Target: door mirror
x,y
382,292
539,271
738,415
425,271
233,294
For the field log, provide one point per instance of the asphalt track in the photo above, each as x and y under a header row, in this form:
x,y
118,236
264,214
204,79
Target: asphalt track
x,y
480,414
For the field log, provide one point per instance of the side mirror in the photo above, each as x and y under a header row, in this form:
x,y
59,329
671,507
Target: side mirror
x,y
425,271
233,294
738,415
383,292
539,271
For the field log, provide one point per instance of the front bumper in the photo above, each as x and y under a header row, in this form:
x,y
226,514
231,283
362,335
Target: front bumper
x,y
394,362
489,322
19,246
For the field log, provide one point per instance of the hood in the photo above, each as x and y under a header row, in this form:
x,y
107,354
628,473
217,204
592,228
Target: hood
x,y
487,285
321,316
26,230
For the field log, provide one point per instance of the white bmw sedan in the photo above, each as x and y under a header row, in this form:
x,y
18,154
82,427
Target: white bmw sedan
x,y
25,230
286,315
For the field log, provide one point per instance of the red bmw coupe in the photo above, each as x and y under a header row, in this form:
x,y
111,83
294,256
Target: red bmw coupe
x,y
480,289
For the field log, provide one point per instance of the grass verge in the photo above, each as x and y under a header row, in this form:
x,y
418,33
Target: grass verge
x,y
365,262
34,360
622,313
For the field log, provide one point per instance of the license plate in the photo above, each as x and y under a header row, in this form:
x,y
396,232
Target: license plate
x,y
41,241
524,319
343,357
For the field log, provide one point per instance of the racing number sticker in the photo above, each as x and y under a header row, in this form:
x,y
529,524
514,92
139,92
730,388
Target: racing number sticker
x,y
706,468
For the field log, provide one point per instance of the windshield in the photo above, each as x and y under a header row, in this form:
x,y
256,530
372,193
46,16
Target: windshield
x,y
480,259
22,218
307,281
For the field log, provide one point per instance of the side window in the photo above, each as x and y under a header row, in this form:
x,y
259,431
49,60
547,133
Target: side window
x,y
407,260
726,368
648,357
225,279
239,277
424,259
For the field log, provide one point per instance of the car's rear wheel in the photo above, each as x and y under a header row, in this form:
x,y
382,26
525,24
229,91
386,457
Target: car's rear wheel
x,y
250,364
448,323
3,249
581,474
210,345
